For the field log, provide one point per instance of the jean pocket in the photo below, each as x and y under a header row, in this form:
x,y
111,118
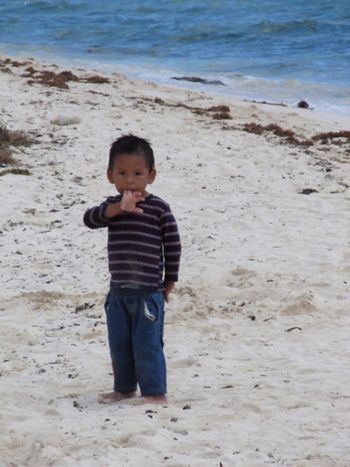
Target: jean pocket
x,y
152,308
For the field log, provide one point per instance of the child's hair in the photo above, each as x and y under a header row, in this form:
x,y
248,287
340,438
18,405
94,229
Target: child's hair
x,y
130,144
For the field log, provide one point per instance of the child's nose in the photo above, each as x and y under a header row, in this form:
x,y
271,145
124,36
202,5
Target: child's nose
x,y
129,179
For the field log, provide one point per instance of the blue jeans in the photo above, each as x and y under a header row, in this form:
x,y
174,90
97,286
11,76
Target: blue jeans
x,y
135,322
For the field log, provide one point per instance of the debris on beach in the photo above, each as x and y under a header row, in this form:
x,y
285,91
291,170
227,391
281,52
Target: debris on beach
x,y
253,101
8,140
197,79
217,112
84,306
96,79
331,135
50,78
64,120
303,104
14,63
15,171
60,80
289,136
13,138
307,191
6,157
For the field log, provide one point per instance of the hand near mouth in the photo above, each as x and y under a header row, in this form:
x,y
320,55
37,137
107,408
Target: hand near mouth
x,y
129,201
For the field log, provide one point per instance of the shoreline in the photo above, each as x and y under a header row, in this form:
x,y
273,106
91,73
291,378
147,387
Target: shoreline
x,y
288,92
112,69
261,196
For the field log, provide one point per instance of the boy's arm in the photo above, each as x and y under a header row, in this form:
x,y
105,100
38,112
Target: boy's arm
x,y
172,251
99,216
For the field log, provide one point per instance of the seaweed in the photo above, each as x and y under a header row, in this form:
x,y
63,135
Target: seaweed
x,y
5,157
15,171
13,138
307,191
280,104
330,135
9,139
218,112
60,80
50,78
95,79
288,135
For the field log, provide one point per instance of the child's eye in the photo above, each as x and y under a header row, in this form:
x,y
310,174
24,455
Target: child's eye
x,y
121,173
138,173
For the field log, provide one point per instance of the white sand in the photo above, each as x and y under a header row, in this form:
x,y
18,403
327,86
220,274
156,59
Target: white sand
x,y
253,247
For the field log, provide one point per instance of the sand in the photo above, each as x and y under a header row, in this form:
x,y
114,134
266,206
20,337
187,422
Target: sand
x,y
257,338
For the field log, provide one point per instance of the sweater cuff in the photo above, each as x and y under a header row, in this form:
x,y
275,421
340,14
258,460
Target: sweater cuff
x,y
171,277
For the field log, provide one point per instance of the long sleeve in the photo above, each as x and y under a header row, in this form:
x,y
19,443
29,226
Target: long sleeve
x,y
143,248
94,218
171,246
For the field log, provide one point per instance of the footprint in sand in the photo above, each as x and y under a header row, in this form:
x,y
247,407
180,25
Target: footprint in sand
x,y
240,277
302,305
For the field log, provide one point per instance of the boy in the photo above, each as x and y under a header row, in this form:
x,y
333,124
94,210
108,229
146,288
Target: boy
x,y
143,240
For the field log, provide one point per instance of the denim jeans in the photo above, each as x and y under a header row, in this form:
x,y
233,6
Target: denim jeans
x,y
135,323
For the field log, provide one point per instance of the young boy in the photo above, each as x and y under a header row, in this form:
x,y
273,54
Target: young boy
x,y
144,255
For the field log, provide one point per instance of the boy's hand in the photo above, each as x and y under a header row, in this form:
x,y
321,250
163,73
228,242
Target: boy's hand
x,y
129,200
168,287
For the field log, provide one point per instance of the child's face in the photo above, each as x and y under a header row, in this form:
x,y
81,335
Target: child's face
x,y
130,173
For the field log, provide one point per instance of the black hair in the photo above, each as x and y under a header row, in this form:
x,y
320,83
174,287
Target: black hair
x,y
130,144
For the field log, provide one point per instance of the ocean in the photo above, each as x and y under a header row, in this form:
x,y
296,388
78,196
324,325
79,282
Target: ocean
x,y
272,50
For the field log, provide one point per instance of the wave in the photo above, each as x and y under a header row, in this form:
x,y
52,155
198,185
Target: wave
x,y
269,27
274,39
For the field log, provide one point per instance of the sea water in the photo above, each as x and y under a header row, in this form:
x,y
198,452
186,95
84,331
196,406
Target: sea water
x,y
274,50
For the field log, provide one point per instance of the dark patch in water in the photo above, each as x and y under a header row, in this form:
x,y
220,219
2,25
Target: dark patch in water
x,y
197,79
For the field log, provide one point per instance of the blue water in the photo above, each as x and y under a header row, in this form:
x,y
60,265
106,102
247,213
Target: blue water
x,y
276,50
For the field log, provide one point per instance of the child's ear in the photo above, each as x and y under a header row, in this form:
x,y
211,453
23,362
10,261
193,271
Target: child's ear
x,y
110,175
152,175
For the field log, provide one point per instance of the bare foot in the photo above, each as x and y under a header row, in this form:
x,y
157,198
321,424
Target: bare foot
x,y
154,399
115,396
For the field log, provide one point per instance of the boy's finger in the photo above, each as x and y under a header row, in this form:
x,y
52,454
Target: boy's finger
x,y
137,195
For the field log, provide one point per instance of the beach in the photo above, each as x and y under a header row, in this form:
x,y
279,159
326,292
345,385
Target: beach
x,y
256,332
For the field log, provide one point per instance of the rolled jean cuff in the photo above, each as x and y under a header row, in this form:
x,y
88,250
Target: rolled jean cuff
x,y
154,392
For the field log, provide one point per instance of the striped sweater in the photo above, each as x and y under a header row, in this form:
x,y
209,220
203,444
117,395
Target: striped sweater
x,y
143,249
